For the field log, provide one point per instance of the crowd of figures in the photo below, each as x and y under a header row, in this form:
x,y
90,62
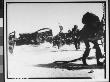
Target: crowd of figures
x,y
46,35
72,37
92,31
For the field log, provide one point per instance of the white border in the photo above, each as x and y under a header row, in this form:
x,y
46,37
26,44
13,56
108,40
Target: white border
x,y
58,80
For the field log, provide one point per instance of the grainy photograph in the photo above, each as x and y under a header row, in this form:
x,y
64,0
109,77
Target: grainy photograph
x,y
56,40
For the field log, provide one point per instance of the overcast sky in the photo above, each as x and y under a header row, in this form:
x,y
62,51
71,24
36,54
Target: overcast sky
x,y
29,17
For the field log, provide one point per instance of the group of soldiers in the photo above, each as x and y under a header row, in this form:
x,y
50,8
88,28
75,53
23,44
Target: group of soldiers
x,y
92,28
92,31
72,35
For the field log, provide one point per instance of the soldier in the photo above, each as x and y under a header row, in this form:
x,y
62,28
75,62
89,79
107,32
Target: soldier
x,y
60,35
11,41
75,32
61,27
92,25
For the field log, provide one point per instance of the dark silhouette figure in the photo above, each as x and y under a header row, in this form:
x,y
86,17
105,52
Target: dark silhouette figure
x,y
75,32
92,26
61,28
11,41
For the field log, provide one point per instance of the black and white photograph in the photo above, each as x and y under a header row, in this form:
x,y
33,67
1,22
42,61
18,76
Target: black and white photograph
x,y
56,40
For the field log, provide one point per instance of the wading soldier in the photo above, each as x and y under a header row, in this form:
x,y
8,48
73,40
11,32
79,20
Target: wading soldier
x,y
75,32
92,26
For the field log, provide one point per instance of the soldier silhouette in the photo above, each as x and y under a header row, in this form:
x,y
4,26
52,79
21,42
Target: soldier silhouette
x,y
75,32
92,25
61,27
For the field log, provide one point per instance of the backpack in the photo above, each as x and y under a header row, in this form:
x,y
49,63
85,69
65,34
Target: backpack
x,y
92,26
